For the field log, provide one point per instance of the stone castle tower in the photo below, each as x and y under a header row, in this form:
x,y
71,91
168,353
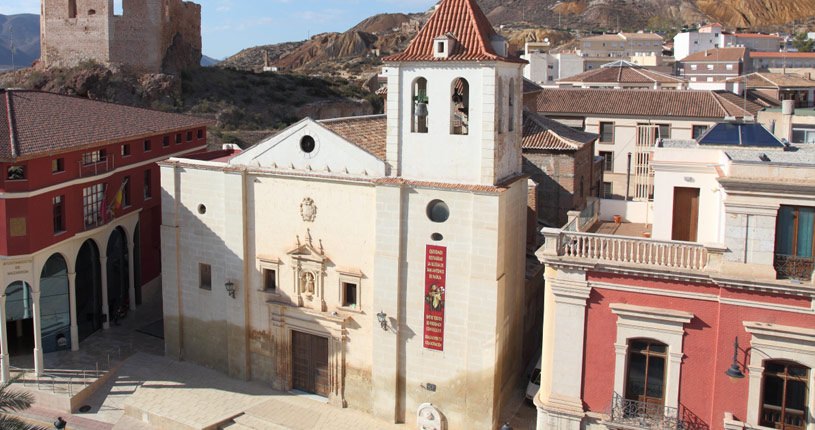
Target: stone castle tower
x,y
151,35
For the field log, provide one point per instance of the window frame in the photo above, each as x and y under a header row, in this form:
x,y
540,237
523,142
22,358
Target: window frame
x,y
58,214
698,126
126,152
785,378
148,185
648,354
807,129
268,263
663,325
608,160
600,132
204,274
148,145
777,342
57,165
350,277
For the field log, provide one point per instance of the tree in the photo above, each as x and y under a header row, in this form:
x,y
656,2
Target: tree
x,y
803,43
14,401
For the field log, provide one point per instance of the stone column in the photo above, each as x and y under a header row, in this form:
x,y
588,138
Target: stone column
x,y
72,304
4,363
105,307
131,276
38,358
559,401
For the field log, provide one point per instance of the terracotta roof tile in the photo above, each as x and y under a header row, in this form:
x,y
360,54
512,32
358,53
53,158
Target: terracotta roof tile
x,y
782,55
544,133
367,132
465,21
774,80
623,75
645,103
33,123
719,54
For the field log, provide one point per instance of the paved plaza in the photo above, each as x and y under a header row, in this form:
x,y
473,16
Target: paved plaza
x,y
150,391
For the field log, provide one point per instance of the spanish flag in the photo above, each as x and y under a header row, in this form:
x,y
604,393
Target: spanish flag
x,y
116,201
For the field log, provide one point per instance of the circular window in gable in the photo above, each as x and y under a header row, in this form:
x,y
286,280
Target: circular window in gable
x,y
438,211
202,209
307,144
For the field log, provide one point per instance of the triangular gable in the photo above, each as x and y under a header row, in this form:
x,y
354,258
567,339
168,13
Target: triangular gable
x,y
331,153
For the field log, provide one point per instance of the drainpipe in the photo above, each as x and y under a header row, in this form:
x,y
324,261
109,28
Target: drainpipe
x,y
628,178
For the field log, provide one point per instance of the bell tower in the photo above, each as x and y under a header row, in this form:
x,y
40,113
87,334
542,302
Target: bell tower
x,y
454,102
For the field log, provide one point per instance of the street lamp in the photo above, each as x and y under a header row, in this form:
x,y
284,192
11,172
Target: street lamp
x,y
230,288
382,317
734,371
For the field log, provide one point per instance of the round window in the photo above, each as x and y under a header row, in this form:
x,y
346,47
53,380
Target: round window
x,y
437,237
202,209
438,211
307,144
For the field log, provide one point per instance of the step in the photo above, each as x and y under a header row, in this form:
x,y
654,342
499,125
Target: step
x,y
130,423
257,423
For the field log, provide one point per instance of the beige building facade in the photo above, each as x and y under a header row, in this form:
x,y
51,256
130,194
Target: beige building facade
x,y
374,261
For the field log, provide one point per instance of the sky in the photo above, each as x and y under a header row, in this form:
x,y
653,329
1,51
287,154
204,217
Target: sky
x,y
230,25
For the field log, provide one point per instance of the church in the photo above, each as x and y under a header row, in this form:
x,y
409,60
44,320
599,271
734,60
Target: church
x,y
377,262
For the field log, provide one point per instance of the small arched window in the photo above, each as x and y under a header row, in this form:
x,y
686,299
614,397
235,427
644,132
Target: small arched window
x,y
460,107
785,394
71,8
419,102
511,105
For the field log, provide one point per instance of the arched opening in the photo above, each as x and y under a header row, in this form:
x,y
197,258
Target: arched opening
x,y
645,372
88,290
20,323
511,106
785,395
71,8
419,104
118,267
460,107
55,308
137,262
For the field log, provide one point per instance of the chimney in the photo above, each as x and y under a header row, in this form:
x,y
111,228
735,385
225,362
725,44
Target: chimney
x,y
787,112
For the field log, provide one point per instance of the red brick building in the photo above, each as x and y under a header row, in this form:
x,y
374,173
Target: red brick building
x,y
80,213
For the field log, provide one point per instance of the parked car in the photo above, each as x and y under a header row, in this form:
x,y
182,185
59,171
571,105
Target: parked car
x,y
534,382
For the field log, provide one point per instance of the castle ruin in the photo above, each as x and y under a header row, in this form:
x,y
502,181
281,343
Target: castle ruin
x,y
149,35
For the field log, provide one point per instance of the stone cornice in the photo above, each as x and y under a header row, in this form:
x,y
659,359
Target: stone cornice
x,y
773,188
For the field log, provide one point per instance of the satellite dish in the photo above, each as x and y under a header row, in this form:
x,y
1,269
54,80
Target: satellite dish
x,y
546,40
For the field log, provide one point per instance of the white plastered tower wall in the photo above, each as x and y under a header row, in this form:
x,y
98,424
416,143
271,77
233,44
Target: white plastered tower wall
x,y
422,156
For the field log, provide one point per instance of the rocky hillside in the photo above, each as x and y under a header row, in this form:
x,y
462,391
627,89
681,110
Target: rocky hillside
x,y
351,54
238,102
636,14
26,31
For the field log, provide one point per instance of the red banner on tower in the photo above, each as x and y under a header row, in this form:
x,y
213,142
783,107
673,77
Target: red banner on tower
x,y
434,300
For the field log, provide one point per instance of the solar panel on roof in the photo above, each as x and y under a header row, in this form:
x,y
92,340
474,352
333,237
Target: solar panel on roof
x,y
743,135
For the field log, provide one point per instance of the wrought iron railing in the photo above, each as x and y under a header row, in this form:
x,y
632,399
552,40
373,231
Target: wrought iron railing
x,y
794,267
646,415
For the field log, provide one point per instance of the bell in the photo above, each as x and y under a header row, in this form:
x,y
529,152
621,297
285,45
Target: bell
x,y
421,109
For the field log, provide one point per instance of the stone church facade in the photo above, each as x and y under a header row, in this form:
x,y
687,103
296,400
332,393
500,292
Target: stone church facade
x,y
150,35
376,261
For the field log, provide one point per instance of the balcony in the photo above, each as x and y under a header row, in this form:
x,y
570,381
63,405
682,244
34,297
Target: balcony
x,y
794,267
633,414
104,165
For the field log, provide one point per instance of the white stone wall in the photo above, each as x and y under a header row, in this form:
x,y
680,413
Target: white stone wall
x,y
697,169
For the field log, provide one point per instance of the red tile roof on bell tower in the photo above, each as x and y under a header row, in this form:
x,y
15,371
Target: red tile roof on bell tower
x,y
466,23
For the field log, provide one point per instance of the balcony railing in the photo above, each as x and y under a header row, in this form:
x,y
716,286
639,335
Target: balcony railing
x,y
645,415
99,167
794,267
622,249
